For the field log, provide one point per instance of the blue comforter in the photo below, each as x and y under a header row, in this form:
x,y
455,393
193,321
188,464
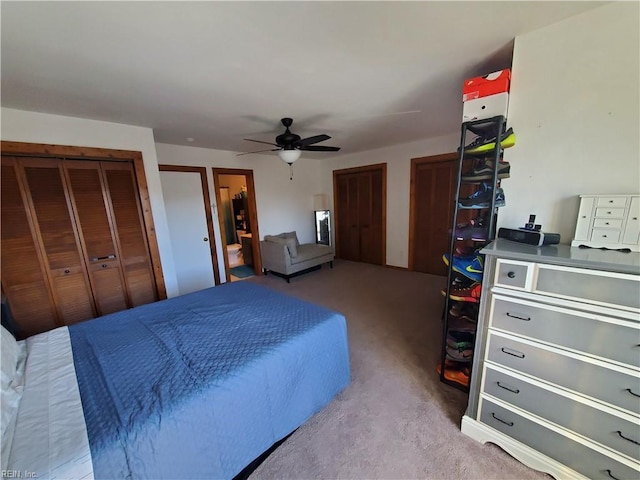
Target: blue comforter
x,y
199,385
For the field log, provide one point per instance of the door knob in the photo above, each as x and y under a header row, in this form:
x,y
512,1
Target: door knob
x,y
205,239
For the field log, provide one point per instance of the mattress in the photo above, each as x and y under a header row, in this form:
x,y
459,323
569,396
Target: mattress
x,y
192,387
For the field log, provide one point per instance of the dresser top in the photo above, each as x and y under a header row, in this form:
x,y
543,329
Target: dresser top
x,y
592,258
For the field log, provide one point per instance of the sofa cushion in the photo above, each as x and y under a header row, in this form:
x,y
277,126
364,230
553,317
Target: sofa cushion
x,y
289,242
308,251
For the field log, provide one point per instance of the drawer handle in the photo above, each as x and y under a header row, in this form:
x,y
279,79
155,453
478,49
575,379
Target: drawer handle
x,y
609,473
607,223
514,353
626,438
508,424
525,319
608,213
511,274
634,394
512,390
66,270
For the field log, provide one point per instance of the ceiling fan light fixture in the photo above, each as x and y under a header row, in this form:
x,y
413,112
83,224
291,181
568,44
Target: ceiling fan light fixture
x,y
289,156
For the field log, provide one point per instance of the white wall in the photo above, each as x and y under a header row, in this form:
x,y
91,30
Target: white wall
x,y
22,126
283,205
398,160
575,109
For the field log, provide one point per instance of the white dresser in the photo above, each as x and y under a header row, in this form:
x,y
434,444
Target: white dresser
x,y
610,221
556,377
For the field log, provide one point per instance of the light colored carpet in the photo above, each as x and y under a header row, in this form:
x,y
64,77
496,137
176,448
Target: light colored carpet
x,y
396,420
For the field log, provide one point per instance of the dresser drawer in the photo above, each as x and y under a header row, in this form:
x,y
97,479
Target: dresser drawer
x,y
608,429
585,332
607,223
606,212
514,274
589,285
604,235
588,461
561,368
612,202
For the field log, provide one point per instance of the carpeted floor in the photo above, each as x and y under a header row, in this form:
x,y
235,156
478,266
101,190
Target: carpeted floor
x,y
396,420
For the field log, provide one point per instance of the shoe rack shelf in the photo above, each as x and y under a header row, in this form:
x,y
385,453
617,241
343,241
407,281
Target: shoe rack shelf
x,y
480,172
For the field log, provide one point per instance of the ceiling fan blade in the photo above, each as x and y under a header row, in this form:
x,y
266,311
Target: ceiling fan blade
x,y
259,151
319,148
311,140
260,141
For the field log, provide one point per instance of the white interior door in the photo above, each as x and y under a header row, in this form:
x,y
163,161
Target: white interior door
x,y
183,201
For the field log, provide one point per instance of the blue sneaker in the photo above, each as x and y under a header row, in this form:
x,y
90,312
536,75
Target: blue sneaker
x,y
482,198
471,267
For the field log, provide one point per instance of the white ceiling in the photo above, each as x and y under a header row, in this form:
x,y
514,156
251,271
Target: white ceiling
x,y
219,72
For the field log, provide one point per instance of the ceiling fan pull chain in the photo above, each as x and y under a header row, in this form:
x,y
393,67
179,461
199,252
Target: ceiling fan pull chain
x,y
291,171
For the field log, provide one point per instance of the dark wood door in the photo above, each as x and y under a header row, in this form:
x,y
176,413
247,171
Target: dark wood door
x,y
89,198
56,231
24,280
360,205
132,242
433,189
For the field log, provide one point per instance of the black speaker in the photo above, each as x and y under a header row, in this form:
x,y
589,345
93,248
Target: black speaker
x,y
530,237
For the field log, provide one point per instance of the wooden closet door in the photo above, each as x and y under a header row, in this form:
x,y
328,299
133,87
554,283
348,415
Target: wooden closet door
x,y
352,250
56,231
373,234
24,280
360,228
89,200
129,233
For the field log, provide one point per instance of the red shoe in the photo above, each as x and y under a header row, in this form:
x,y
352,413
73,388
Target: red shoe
x,y
469,294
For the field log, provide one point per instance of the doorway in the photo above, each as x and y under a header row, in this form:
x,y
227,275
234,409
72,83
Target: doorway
x,y
188,207
433,183
238,219
360,202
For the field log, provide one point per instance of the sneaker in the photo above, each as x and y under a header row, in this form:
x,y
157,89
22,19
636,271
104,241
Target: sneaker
x,y
482,198
461,309
460,339
484,171
471,267
468,232
463,324
465,294
486,144
453,374
460,354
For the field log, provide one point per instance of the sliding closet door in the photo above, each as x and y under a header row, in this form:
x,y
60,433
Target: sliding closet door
x,y
24,280
133,246
97,235
56,231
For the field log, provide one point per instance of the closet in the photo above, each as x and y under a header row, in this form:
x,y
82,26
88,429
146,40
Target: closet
x,y
360,206
74,244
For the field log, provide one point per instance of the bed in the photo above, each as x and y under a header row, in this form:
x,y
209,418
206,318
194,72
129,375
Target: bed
x,y
196,386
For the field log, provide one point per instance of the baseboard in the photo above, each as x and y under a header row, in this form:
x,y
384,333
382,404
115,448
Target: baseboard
x,y
394,267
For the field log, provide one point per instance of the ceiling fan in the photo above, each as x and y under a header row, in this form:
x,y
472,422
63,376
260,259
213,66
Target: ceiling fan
x,y
290,145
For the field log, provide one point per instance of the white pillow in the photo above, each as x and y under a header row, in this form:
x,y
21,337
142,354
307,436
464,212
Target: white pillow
x,y
12,363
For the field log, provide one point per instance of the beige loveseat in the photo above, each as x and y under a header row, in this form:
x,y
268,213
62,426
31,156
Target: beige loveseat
x,y
284,256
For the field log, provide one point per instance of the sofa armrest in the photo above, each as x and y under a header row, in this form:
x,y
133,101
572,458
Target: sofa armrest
x,y
275,256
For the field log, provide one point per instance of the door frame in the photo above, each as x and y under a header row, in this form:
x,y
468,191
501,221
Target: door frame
x,y
42,150
253,217
365,168
415,163
207,211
